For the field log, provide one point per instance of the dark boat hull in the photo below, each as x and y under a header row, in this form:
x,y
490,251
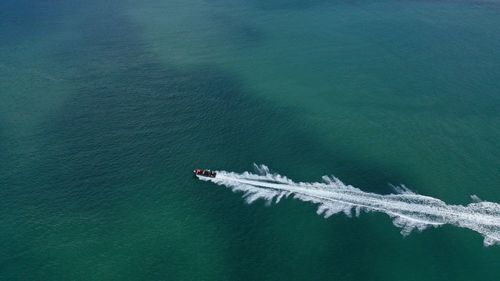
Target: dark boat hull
x,y
204,173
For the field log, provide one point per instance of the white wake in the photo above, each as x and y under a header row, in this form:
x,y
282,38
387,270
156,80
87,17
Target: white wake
x,y
408,210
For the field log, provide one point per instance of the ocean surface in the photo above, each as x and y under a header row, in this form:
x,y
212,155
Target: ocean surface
x,y
106,107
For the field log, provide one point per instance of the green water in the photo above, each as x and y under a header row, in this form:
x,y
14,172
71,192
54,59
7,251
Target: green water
x,y
107,106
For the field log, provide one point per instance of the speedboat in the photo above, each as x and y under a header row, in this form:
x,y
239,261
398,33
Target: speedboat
x,y
204,173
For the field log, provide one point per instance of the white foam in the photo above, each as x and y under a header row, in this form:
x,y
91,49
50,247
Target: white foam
x,y
409,211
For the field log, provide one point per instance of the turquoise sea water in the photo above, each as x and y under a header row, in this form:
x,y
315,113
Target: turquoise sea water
x,y
105,109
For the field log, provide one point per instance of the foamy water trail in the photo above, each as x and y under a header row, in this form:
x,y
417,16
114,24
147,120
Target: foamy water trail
x,y
408,210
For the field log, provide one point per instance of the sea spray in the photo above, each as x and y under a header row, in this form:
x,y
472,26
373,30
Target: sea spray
x,y
408,210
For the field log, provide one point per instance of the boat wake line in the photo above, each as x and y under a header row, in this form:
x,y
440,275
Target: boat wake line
x,y
409,211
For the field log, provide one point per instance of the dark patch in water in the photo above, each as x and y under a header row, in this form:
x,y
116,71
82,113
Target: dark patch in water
x,y
238,30
287,4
